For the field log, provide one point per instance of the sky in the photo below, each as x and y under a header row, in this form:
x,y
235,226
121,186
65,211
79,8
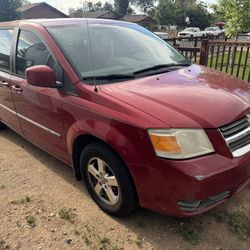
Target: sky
x,y
64,5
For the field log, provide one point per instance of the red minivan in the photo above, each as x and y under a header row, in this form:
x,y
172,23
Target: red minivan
x,y
135,119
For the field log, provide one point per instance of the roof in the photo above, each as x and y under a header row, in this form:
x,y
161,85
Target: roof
x,y
59,21
135,18
27,7
95,14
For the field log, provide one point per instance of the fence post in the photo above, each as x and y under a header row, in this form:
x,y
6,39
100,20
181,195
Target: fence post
x,y
174,42
204,51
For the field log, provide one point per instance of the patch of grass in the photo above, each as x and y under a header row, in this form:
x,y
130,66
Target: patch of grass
x,y
139,242
3,244
186,228
76,232
237,222
31,221
114,247
66,214
86,239
221,215
25,199
240,224
104,242
238,61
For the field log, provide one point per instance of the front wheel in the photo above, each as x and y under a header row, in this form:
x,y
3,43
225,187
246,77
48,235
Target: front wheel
x,y
108,180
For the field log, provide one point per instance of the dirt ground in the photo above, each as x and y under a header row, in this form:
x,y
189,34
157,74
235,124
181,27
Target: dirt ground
x,y
42,206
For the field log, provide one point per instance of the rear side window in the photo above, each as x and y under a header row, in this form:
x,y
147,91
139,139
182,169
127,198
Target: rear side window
x,y
5,47
32,51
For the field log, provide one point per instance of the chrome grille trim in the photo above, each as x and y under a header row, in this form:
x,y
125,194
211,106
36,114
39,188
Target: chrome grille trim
x,y
237,136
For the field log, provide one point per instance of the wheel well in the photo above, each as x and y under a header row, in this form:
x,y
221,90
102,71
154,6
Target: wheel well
x,y
80,143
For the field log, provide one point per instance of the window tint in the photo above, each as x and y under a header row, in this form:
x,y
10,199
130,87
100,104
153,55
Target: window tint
x,y
113,48
32,51
5,46
74,41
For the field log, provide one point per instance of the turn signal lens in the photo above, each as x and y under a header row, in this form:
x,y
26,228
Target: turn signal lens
x,y
165,143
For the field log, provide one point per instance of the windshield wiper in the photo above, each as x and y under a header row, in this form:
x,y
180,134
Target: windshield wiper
x,y
168,67
110,77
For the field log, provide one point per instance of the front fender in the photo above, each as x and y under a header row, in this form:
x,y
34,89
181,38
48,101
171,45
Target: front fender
x,y
123,139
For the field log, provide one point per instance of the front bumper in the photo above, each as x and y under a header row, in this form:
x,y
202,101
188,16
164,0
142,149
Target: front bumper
x,y
166,185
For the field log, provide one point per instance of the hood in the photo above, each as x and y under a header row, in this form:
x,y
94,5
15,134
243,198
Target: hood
x,y
192,97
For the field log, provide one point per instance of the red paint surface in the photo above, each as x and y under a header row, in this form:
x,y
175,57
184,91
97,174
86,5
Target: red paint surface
x,y
120,114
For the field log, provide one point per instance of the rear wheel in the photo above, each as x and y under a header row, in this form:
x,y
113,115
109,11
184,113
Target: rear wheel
x,y
108,180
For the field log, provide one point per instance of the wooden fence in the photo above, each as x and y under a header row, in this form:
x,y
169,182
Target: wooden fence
x,y
230,57
190,46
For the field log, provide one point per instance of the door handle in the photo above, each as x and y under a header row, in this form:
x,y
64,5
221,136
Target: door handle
x,y
4,84
17,89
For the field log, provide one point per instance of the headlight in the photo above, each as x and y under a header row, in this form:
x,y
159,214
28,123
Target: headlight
x,y
180,143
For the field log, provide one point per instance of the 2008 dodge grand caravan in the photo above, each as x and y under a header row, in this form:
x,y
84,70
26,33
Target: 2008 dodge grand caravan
x,y
134,119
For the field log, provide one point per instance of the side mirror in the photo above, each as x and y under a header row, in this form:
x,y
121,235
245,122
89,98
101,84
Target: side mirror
x,y
41,76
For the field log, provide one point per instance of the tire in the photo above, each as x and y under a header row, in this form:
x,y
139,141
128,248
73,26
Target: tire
x,y
105,175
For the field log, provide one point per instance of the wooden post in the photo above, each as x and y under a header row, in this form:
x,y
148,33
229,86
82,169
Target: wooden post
x,y
174,42
195,42
204,51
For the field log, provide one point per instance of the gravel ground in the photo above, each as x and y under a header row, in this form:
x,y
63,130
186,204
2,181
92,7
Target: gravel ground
x,y
42,206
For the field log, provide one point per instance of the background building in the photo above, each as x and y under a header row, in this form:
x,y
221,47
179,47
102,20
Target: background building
x,y
40,10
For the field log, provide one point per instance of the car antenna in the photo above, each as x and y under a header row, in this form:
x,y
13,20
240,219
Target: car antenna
x,y
92,56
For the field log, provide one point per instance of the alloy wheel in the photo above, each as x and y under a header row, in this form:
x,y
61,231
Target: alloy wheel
x,y
103,181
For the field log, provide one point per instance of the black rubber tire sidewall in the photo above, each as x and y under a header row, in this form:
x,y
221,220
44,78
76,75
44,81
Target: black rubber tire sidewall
x,y
2,125
128,199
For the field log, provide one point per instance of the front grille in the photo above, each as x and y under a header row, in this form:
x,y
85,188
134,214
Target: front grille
x,y
237,136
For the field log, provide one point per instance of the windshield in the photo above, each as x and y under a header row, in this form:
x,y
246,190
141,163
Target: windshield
x,y
112,49
189,29
210,29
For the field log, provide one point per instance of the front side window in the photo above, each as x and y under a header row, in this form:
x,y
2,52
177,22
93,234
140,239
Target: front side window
x,y
5,47
111,49
189,29
32,51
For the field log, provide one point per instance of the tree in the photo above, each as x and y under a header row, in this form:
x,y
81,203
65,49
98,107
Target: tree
x,y
199,15
75,12
8,10
89,7
144,5
121,6
173,12
217,14
165,12
24,2
107,6
124,6
236,13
